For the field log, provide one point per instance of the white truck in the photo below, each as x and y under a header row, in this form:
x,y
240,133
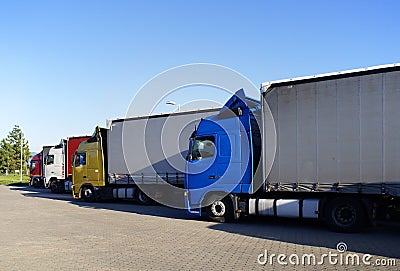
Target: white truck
x,y
58,164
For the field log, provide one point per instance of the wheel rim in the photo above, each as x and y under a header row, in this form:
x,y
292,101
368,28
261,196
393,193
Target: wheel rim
x,y
345,215
218,208
88,193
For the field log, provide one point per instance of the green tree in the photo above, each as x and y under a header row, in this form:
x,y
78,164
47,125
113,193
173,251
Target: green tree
x,y
10,151
5,150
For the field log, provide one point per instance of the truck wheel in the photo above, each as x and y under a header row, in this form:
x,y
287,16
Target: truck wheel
x,y
36,182
87,193
54,187
220,210
345,214
143,199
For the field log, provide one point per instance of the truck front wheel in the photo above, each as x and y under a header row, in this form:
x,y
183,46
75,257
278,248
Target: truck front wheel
x,y
54,186
35,182
345,214
220,210
87,193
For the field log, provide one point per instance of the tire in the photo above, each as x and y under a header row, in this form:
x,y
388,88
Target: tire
x,y
54,186
36,182
345,214
87,194
40,183
220,210
143,199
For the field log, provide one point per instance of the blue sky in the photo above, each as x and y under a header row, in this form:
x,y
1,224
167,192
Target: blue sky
x,y
67,66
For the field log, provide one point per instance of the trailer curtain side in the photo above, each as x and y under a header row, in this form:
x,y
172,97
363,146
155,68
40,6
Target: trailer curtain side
x,y
152,146
336,133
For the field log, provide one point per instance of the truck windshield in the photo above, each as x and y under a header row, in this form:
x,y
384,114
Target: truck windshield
x,y
202,148
49,160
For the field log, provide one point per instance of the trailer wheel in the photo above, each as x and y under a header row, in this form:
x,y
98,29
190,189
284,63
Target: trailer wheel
x,y
87,193
220,210
143,199
345,214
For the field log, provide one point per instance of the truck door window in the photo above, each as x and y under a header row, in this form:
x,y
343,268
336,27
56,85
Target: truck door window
x,y
80,159
33,166
203,147
49,160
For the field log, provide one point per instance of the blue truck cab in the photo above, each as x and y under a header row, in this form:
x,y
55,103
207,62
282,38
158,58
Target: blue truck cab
x,y
224,152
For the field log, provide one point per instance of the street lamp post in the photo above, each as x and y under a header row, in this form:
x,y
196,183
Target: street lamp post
x,y
20,171
174,103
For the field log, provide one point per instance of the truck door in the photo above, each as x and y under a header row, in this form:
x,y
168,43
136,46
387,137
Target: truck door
x,y
214,165
93,167
80,169
59,164
201,166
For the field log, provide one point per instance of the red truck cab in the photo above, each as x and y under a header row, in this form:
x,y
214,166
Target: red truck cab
x,y
35,170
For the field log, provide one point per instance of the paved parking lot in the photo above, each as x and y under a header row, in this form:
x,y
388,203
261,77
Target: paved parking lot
x,y
44,231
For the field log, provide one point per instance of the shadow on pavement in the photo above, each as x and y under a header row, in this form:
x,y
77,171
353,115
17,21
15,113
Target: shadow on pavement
x,y
128,206
382,239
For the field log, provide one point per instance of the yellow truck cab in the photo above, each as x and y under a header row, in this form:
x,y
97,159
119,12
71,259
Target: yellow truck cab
x,y
89,166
